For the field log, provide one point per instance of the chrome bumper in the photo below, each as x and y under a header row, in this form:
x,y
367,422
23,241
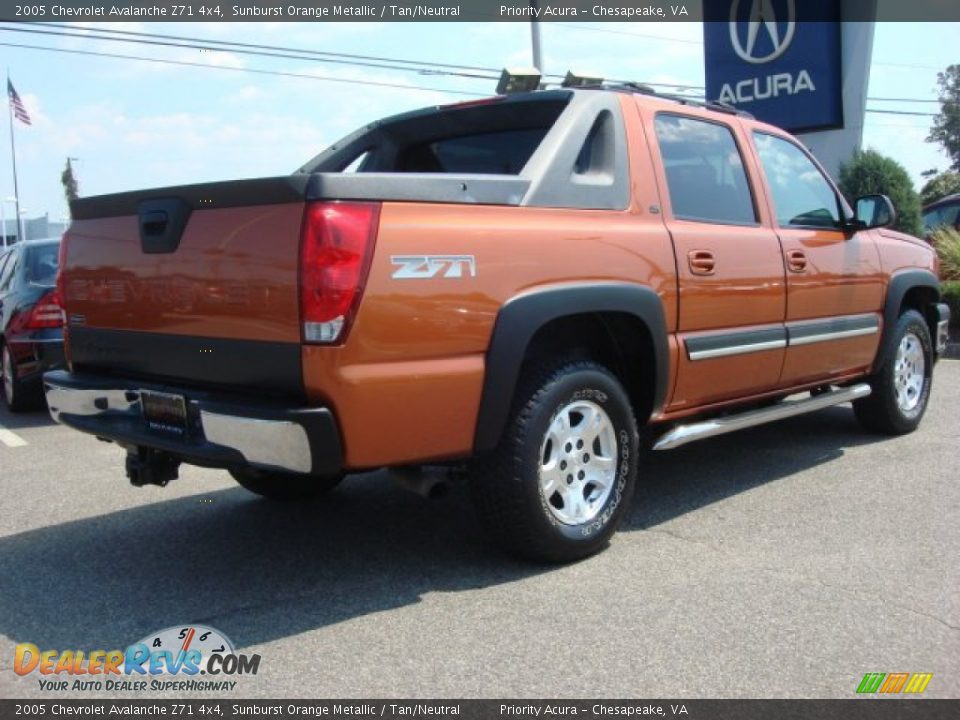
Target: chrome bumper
x,y
222,432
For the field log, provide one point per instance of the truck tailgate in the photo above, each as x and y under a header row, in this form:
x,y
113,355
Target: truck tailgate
x,y
196,285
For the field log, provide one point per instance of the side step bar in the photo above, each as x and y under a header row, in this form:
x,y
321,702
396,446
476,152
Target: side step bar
x,y
683,434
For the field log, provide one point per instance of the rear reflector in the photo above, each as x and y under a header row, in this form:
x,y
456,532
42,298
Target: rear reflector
x,y
335,254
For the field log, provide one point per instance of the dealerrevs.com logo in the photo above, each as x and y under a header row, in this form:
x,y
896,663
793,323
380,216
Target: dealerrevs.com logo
x,y
171,659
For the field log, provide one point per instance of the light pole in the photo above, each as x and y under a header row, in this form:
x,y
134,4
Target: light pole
x,y
22,228
535,38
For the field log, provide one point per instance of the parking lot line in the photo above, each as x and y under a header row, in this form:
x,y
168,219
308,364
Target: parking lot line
x,y
10,438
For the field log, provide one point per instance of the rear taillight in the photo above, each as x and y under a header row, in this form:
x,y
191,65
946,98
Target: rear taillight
x,y
46,313
335,253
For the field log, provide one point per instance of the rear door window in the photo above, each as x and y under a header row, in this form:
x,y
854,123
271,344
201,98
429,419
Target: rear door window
x,y
705,173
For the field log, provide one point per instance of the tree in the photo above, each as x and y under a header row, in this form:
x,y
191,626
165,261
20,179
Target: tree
x,y
939,186
869,172
946,123
69,182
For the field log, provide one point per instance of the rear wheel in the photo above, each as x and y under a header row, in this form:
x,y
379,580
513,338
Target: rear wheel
x,y
17,395
284,486
901,387
559,483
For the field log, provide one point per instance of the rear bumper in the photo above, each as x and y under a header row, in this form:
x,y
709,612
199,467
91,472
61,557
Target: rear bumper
x,y
224,431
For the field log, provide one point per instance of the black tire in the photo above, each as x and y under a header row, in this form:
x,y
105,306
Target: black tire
x,y
284,486
17,395
506,483
882,411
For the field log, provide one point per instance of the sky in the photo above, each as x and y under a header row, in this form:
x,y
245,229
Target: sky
x,y
132,124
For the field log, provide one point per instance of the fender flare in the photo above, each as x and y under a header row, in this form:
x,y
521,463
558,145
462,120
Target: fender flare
x,y
521,317
897,288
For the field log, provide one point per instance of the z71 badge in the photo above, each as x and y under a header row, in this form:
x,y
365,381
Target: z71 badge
x,y
419,267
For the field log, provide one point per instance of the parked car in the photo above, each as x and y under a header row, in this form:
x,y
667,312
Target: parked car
x,y
943,212
514,285
31,320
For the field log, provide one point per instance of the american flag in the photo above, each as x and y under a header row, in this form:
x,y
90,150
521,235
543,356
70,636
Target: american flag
x,y
19,111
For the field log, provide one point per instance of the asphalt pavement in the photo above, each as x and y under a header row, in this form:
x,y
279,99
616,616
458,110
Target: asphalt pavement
x,y
783,561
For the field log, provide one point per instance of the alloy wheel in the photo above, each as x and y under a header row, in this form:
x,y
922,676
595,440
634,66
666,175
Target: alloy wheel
x,y
578,462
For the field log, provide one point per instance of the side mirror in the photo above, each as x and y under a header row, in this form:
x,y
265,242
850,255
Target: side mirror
x,y
873,211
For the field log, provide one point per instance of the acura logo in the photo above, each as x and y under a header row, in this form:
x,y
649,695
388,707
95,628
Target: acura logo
x,y
762,16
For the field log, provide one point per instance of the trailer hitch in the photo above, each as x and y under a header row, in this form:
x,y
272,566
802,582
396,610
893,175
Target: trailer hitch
x,y
146,466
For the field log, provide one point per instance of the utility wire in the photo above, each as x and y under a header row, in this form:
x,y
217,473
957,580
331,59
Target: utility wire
x,y
573,26
262,53
362,61
912,100
901,112
256,46
422,67
257,71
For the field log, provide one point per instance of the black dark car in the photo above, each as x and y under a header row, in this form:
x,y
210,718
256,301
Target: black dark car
x,y
943,212
31,320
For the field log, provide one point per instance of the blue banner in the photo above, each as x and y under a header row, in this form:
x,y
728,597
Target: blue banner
x,y
761,57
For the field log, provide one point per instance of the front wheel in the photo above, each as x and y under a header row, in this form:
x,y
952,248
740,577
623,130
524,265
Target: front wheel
x,y
284,486
559,483
901,386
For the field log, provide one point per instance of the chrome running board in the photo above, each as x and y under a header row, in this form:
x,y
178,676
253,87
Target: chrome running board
x,y
683,434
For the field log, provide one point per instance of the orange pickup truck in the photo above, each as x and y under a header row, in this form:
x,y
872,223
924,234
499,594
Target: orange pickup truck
x,y
517,285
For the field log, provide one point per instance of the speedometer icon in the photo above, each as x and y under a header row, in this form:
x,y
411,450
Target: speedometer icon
x,y
178,640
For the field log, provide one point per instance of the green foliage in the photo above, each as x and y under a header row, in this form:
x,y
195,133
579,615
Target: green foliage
x,y
939,186
947,242
869,172
946,124
950,292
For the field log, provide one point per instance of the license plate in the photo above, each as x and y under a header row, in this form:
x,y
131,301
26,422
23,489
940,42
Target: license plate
x,y
164,412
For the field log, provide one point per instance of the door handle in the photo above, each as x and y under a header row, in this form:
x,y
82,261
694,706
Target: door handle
x,y
797,261
702,262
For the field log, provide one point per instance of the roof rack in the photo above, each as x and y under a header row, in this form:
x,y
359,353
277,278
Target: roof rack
x,y
640,88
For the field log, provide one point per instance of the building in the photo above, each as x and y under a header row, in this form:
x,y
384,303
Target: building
x,y
33,228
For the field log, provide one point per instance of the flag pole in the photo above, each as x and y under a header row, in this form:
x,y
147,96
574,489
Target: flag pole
x,y
13,154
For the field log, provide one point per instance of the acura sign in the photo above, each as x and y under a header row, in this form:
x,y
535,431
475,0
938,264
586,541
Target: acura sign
x,y
761,57
762,16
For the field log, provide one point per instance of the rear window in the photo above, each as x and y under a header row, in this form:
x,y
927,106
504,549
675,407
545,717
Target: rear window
x,y
42,262
489,137
503,153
